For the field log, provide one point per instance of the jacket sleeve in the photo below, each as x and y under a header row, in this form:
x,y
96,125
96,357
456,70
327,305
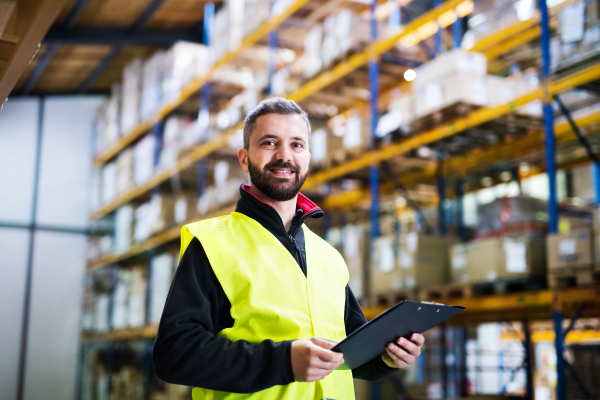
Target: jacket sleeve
x,y
375,369
187,351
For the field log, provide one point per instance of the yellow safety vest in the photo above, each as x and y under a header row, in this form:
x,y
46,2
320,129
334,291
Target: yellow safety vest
x,y
271,298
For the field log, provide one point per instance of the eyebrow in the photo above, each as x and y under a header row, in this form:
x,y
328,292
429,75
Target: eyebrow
x,y
271,136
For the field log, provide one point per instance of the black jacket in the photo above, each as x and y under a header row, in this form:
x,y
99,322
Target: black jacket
x,y
187,351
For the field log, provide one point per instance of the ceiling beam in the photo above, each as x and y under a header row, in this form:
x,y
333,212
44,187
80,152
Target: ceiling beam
x,y
32,27
135,29
118,37
51,49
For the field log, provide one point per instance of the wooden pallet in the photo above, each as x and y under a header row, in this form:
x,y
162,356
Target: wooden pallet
x,y
567,278
446,114
390,298
511,285
446,292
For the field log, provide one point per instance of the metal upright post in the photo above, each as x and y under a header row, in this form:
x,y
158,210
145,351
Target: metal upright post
x,y
548,120
529,361
457,33
374,169
460,223
374,88
441,186
561,389
561,384
596,182
439,41
203,114
272,60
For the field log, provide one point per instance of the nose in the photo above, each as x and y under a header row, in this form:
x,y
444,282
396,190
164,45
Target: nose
x,y
283,153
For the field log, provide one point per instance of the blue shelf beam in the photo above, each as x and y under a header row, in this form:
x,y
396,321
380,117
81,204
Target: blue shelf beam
x,y
460,213
374,105
457,33
439,41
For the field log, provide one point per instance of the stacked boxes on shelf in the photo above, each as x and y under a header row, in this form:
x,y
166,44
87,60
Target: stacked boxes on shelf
x,y
578,36
451,78
129,297
510,243
490,16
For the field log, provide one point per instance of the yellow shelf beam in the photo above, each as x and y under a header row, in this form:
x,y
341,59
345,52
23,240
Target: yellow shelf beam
x,y
460,166
371,52
543,299
520,301
183,163
171,235
196,84
476,118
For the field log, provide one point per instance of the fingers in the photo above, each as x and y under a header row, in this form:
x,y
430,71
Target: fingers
x,y
325,354
418,339
322,343
400,355
410,347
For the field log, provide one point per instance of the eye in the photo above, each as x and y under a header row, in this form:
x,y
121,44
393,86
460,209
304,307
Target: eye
x,y
298,145
269,142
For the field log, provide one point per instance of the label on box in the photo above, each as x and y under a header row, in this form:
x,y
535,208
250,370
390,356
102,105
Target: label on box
x,y
572,22
491,276
386,255
567,246
412,240
434,95
459,261
410,282
180,210
351,242
318,145
516,257
405,259
352,136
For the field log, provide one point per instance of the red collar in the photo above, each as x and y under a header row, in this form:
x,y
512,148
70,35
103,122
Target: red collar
x,y
304,203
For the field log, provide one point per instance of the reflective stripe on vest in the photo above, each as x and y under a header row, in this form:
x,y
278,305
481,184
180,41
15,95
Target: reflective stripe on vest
x,y
271,298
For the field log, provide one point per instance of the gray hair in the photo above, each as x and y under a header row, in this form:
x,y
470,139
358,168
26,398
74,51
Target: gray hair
x,y
274,105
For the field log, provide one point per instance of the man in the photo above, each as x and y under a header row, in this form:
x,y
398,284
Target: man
x,y
256,291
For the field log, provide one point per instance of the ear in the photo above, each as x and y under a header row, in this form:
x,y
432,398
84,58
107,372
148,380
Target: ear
x,y
243,158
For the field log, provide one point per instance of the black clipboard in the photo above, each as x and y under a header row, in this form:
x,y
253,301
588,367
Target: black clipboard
x,y
401,320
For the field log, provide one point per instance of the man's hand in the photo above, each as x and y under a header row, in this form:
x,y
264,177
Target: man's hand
x,y
405,352
312,360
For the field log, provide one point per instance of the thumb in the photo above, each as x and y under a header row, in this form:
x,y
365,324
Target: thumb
x,y
322,343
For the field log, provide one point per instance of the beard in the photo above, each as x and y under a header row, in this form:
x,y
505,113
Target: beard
x,y
278,189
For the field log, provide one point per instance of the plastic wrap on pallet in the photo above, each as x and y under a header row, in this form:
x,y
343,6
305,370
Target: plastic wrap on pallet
x,y
153,84
109,182
490,16
509,215
183,62
107,120
143,154
174,127
130,96
123,228
125,161
257,13
577,40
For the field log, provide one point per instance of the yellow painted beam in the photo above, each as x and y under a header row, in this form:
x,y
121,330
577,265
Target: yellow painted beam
x,y
196,84
476,118
171,235
461,165
183,163
371,52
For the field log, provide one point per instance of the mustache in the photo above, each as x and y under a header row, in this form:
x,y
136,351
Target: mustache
x,y
280,164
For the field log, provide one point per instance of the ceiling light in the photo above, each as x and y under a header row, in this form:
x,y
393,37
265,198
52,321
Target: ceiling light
x,y
410,75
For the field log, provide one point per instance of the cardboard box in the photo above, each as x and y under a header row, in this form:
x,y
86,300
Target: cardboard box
x,y
424,259
483,260
458,263
523,255
353,250
385,275
570,250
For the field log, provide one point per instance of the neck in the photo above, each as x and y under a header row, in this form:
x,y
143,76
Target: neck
x,y
285,209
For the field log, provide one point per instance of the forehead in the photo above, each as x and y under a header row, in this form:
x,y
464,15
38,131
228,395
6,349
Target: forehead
x,y
281,125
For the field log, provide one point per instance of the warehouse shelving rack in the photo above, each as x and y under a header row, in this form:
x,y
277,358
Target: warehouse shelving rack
x,y
520,306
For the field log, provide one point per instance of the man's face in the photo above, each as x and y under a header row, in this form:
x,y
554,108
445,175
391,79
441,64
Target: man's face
x,y
278,156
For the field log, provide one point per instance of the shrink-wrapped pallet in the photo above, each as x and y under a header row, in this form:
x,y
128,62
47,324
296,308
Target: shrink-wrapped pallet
x,y
131,96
